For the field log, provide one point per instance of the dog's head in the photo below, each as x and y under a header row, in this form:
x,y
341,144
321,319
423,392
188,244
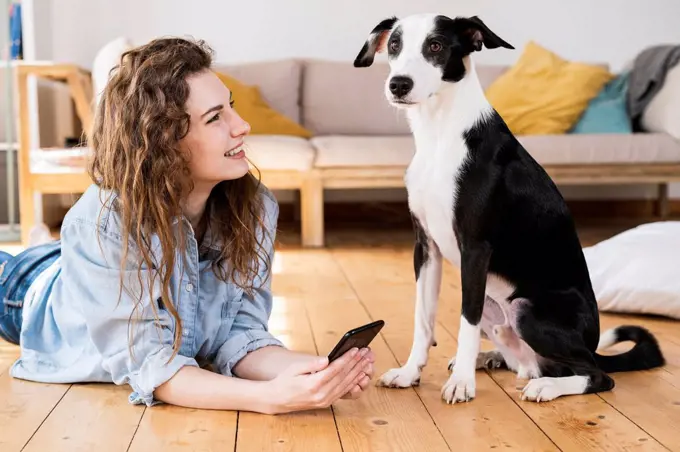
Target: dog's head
x,y
425,52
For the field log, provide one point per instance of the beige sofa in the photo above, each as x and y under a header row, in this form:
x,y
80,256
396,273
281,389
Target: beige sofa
x,y
361,142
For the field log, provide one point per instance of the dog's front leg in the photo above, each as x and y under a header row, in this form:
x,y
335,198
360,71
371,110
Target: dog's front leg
x,y
474,265
427,261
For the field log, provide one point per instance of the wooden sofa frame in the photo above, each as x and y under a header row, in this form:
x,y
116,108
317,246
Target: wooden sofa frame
x,y
310,184
392,177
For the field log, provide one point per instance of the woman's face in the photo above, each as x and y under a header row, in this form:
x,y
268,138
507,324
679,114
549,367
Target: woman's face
x,y
215,138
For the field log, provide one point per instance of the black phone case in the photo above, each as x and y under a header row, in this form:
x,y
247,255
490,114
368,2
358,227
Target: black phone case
x,y
358,337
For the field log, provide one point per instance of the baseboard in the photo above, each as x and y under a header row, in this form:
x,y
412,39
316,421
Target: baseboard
x,y
387,214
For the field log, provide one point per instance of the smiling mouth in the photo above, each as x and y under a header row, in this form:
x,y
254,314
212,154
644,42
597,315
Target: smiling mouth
x,y
235,151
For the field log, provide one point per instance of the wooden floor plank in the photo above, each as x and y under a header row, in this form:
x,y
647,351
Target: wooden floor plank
x,y
581,423
89,417
576,422
8,354
382,420
641,413
24,405
310,430
651,399
493,422
171,428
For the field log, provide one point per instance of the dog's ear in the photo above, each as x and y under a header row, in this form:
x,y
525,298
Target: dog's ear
x,y
374,43
475,33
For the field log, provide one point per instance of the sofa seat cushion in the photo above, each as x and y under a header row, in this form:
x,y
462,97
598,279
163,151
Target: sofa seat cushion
x,y
602,148
336,151
59,160
279,152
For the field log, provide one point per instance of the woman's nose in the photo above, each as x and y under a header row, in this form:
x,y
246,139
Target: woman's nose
x,y
239,126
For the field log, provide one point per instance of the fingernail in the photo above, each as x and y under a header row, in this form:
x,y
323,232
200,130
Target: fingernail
x,y
363,352
354,352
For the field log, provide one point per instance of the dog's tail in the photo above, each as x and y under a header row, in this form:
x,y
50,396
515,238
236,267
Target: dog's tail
x,y
645,354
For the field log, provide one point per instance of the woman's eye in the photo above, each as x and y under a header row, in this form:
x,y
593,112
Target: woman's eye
x,y
214,118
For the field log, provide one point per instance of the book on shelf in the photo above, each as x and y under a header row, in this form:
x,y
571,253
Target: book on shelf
x,y
15,32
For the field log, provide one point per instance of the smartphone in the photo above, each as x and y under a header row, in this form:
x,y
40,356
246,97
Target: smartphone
x,y
359,337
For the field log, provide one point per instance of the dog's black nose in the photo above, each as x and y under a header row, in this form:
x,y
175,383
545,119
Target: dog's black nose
x,y
400,86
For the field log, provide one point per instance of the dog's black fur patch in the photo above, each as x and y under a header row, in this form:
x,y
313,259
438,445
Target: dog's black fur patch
x,y
367,52
421,250
511,220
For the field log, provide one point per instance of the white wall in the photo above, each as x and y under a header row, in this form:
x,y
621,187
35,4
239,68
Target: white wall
x,y
611,31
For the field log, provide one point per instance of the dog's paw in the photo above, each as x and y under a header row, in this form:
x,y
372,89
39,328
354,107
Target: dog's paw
x,y
490,360
485,360
401,377
541,390
458,389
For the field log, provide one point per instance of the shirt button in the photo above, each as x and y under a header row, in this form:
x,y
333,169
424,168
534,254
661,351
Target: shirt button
x,y
185,333
189,287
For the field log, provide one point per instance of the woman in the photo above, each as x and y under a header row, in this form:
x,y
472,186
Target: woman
x,y
163,266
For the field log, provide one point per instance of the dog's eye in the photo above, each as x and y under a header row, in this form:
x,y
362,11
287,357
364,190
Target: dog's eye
x,y
394,46
435,46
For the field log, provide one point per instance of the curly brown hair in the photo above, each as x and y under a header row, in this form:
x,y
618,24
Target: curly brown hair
x,y
138,125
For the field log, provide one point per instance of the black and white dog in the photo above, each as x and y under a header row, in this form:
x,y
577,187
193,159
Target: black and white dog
x,y
482,202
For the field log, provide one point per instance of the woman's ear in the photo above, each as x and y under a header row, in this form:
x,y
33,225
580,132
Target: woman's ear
x,y
375,42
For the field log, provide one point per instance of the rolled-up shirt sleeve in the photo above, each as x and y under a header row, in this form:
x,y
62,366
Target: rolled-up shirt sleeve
x,y
134,335
250,329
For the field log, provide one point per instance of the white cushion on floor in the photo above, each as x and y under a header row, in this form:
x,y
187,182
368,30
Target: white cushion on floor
x,y
638,271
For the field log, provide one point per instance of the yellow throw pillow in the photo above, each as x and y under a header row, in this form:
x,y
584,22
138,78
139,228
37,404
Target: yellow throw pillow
x,y
263,119
543,93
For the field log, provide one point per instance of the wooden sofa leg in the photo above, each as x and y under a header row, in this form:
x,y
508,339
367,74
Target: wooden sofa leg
x,y
26,213
311,201
662,207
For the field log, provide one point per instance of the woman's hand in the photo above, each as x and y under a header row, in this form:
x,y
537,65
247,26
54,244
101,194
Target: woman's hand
x,y
317,384
360,387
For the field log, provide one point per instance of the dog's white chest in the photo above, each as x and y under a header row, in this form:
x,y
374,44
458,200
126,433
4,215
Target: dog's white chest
x,y
431,184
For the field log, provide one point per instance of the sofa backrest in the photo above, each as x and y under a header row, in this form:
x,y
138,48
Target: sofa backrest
x,y
278,80
338,98
333,97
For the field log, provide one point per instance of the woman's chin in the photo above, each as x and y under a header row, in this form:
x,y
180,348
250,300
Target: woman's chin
x,y
236,169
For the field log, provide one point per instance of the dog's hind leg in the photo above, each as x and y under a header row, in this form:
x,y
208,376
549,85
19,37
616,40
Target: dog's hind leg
x,y
492,317
427,261
548,388
566,365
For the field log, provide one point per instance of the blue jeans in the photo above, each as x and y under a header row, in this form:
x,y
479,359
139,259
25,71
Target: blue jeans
x,y
17,273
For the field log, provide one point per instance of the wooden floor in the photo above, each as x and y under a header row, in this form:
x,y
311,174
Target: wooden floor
x,y
319,294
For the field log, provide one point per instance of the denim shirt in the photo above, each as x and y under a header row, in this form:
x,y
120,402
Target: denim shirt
x,y
74,329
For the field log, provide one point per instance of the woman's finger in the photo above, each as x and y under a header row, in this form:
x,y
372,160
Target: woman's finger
x,y
369,370
349,383
354,393
363,383
348,374
338,368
